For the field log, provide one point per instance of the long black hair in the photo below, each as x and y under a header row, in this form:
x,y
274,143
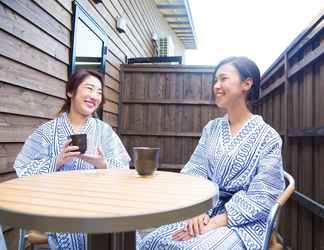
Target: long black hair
x,y
246,69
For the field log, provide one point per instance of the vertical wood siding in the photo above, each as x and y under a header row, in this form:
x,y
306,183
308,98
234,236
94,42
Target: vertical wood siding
x,y
292,101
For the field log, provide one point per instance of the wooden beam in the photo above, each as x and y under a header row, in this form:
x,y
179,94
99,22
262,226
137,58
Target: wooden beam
x,y
178,22
306,132
277,83
182,32
181,28
275,68
174,15
170,102
310,57
159,133
157,59
311,205
170,6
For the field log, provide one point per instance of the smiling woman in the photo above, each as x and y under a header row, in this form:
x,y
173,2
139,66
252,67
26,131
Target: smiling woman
x,y
48,149
242,155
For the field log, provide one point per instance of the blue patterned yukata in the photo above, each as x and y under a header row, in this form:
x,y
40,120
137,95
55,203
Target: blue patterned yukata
x,y
40,152
249,165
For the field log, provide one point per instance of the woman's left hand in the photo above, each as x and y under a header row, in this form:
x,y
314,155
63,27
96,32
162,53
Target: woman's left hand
x,y
98,160
215,222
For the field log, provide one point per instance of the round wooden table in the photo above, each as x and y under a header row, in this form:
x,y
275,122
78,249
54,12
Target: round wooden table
x,y
102,201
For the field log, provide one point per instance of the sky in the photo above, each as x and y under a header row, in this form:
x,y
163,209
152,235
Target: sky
x,y
258,29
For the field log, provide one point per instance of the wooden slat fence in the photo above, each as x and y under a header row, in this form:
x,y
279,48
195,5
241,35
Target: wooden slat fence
x,y
292,101
166,106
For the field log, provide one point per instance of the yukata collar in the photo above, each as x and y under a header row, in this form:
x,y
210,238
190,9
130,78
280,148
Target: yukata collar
x,y
84,128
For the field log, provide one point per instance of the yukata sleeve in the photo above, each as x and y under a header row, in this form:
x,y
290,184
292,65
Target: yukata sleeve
x,y
35,157
114,150
198,163
266,186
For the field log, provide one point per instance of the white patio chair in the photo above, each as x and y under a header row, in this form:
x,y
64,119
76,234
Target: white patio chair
x,y
3,245
270,241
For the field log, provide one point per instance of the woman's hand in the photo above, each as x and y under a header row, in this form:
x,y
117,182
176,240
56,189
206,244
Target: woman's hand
x,y
68,152
193,227
98,160
213,223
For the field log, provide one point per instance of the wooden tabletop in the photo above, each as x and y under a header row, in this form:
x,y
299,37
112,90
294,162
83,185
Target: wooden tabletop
x,y
102,201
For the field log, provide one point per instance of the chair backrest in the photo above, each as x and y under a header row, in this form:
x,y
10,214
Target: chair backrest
x,y
273,215
2,240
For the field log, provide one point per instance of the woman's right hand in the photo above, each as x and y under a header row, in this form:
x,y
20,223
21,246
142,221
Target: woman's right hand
x,y
193,227
68,152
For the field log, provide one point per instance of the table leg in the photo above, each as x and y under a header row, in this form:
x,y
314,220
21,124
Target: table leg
x,y
112,241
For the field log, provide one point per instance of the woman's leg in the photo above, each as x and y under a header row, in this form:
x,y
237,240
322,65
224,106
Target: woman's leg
x,y
222,238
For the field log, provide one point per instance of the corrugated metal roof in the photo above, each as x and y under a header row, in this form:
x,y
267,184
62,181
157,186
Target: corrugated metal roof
x,y
178,15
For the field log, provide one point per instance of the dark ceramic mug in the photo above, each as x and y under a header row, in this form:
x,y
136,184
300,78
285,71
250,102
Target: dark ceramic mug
x,y
146,160
79,140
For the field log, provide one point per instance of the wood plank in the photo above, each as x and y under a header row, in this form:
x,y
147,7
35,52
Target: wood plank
x,y
267,75
184,69
111,119
172,156
41,19
171,166
273,86
57,11
17,26
113,72
171,118
115,59
318,113
14,100
8,154
306,202
19,51
308,59
207,87
138,86
15,128
159,133
111,95
111,107
67,4
189,145
174,86
23,76
192,88
154,117
276,110
138,117
191,119
112,83
156,86
294,227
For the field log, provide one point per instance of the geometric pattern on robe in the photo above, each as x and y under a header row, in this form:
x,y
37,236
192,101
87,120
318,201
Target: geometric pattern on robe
x,y
249,165
41,149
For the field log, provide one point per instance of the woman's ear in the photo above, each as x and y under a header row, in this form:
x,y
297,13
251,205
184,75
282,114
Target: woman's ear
x,y
247,84
69,94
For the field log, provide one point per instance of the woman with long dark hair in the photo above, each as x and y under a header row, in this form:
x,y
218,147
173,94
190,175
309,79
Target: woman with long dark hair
x,y
242,155
48,149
